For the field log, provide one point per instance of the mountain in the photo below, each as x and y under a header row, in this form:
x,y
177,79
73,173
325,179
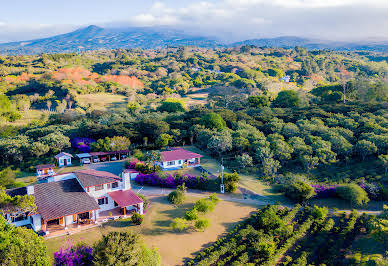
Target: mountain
x,y
94,38
291,41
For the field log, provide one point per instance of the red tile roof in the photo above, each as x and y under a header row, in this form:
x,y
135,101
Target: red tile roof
x,y
91,177
45,166
178,154
125,198
57,199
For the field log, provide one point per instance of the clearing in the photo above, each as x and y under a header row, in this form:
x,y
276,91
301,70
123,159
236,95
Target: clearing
x,y
155,230
103,101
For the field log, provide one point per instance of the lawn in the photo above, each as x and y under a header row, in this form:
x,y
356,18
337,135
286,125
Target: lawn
x,y
103,101
28,117
155,230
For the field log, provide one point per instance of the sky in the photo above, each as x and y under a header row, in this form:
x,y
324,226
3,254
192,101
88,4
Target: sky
x,y
228,20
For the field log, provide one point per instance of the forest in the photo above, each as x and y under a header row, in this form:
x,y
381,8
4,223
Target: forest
x,y
310,123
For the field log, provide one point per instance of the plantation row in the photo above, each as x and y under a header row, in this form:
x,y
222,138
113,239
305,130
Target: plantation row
x,y
298,236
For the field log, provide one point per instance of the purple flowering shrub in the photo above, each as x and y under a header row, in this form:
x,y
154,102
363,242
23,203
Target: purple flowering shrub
x,y
171,181
78,255
323,191
82,144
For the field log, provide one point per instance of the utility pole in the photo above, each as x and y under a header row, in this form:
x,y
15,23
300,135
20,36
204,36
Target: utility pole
x,y
222,176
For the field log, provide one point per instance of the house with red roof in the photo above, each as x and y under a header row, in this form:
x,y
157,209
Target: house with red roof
x,y
178,158
74,199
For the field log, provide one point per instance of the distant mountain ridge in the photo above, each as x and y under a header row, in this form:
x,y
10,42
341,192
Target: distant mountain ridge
x,y
95,38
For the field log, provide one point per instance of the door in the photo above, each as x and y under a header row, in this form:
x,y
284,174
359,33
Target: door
x,y
61,220
65,162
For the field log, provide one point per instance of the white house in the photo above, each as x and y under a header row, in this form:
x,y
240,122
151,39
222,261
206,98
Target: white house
x,y
64,159
73,199
179,158
44,170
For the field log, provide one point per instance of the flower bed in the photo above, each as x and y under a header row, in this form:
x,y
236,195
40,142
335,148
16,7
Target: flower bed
x,y
172,181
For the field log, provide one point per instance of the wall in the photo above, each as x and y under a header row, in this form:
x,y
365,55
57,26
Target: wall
x,y
104,193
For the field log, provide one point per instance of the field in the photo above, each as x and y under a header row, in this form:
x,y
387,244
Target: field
x,y
103,101
28,117
155,230
298,236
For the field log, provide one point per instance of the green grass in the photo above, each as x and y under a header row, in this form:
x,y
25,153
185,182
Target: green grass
x,y
27,117
103,101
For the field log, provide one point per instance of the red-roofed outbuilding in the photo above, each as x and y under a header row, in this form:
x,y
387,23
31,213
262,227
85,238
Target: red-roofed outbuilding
x,y
179,158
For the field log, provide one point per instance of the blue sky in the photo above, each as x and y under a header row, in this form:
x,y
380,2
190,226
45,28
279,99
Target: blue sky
x,y
225,19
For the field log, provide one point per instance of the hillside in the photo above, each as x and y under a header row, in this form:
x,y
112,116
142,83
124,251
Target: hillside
x,y
95,38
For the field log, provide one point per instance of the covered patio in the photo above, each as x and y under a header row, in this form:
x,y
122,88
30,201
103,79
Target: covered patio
x,y
127,201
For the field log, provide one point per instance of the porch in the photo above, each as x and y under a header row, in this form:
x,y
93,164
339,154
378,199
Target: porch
x,y
60,230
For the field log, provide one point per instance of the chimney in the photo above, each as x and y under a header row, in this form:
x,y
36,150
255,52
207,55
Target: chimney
x,y
30,190
126,176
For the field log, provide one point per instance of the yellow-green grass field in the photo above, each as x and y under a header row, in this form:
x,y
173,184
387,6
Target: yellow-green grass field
x,y
174,247
27,117
103,101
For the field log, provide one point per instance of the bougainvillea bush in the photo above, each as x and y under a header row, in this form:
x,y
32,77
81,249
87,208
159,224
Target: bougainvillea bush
x,y
322,191
82,144
172,181
79,255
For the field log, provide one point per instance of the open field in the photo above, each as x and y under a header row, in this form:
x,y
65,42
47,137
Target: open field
x,y
103,101
28,117
196,98
155,230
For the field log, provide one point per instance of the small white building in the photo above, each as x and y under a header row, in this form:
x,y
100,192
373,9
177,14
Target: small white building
x,y
64,159
179,158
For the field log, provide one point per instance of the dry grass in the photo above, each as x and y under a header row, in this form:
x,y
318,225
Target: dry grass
x,y
27,117
103,101
156,231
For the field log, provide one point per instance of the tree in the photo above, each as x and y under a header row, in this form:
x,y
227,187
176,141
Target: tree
x,y
213,121
384,159
287,99
152,158
163,140
21,246
309,162
38,149
220,143
56,141
119,143
244,160
258,101
152,128
7,178
123,248
353,193
365,148
172,105
16,206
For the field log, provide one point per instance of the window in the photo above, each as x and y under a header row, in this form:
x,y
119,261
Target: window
x,y
19,218
88,189
115,185
180,162
108,186
101,201
99,187
171,163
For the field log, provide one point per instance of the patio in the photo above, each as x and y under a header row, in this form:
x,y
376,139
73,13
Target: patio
x,y
59,230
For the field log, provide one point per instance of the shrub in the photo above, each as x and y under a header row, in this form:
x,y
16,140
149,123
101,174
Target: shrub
x,y
178,224
191,215
297,190
202,224
353,193
138,154
204,205
176,197
137,218
145,200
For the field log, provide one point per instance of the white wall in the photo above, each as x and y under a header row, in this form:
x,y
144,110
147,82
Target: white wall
x,y
178,163
37,222
102,194
61,160
61,177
